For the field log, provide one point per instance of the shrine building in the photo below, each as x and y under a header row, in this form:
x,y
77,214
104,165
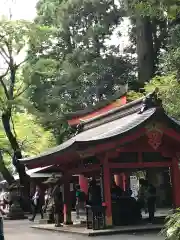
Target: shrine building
x,y
116,141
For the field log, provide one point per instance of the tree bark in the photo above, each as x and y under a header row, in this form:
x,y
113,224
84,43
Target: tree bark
x,y
145,49
24,178
5,172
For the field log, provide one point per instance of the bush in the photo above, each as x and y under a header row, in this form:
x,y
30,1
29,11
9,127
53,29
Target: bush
x,y
171,229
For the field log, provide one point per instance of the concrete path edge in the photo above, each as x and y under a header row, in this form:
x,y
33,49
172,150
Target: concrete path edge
x,y
112,231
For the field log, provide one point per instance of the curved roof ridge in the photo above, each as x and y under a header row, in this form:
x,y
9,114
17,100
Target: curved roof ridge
x,y
115,110
99,133
99,105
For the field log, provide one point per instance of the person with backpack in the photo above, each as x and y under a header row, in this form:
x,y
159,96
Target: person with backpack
x,y
142,195
80,200
151,202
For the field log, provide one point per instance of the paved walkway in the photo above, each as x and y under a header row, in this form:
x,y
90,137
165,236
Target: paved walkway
x,y
159,213
17,230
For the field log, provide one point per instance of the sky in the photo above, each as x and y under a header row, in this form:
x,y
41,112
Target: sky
x,y
26,9
21,9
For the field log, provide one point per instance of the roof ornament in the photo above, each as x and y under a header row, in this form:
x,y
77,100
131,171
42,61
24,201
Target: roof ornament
x,y
79,128
151,100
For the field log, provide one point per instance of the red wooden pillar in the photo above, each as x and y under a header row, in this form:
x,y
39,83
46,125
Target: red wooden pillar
x,y
175,179
83,182
67,201
107,192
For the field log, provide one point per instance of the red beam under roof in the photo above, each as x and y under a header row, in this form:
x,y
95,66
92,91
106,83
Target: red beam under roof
x,y
119,102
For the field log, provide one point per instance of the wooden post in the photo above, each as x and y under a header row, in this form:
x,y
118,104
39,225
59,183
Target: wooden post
x,y
67,201
175,179
107,192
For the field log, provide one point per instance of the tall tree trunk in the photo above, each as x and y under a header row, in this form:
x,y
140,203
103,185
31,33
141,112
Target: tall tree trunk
x,y
24,178
4,171
145,50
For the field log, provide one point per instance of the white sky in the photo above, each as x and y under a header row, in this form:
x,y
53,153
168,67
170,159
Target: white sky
x,y
21,9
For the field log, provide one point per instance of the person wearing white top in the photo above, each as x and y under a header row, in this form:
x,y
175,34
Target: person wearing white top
x,y
37,202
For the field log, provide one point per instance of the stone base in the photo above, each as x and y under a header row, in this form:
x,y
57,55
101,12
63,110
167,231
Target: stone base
x,y
15,213
111,231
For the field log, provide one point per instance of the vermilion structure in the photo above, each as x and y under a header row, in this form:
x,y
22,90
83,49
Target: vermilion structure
x,y
110,140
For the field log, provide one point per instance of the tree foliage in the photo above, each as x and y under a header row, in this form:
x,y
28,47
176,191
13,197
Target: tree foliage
x,y
152,8
31,136
15,36
169,92
171,228
86,69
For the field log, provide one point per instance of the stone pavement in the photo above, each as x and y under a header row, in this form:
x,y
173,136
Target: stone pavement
x,y
79,229
82,230
21,230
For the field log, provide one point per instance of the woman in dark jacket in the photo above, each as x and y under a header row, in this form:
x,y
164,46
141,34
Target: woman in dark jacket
x,y
94,194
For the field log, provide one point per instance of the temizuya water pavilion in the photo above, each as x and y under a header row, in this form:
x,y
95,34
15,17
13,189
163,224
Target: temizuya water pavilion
x,y
135,136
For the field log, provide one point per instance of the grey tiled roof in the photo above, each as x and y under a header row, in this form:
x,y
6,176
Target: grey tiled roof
x,y
107,126
104,131
115,127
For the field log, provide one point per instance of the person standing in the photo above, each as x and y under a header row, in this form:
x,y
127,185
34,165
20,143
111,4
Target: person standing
x,y
48,207
94,194
37,203
58,203
142,194
151,202
80,200
116,191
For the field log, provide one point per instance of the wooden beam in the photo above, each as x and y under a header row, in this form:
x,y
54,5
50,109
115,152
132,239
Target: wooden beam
x,y
112,144
140,157
172,133
82,169
139,165
95,168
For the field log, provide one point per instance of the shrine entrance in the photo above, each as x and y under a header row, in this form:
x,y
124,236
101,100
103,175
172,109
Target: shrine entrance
x,y
128,180
160,178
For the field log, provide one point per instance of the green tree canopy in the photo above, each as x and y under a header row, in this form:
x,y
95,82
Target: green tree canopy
x,y
83,67
31,136
15,37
